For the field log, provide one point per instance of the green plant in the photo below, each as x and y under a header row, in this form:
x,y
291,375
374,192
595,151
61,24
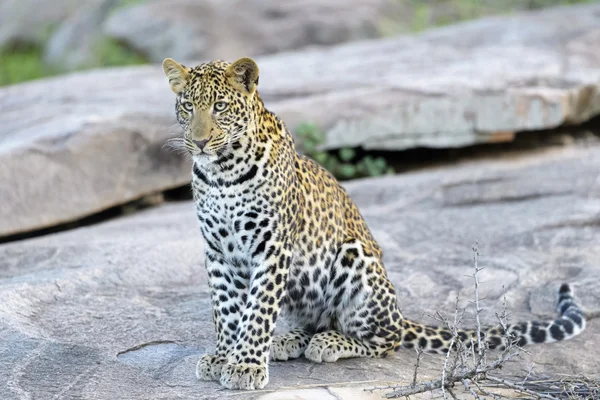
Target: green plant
x,y
111,53
23,64
422,14
344,163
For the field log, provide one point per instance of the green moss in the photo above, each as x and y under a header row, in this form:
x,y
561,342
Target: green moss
x,y
111,53
25,63
124,4
22,64
127,3
419,15
345,163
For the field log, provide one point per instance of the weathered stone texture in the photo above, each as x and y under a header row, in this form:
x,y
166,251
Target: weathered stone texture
x,y
30,21
228,29
122,309
97,135
80,144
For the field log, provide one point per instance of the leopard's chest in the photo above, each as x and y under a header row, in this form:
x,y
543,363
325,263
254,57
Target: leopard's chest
x,y
234,226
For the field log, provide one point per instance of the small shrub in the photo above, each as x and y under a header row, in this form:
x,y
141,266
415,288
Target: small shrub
x,y
21,64
345,163
112,53
25,62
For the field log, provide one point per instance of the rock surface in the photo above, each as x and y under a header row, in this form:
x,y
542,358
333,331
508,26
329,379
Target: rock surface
x,y
76,145
74,44
30,21
229,29
475,82
122,310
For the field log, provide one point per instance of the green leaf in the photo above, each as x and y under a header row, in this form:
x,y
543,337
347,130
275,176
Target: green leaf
x,y
368,160
309,132
380,163
373,168
330,164
347,170
321,157
362,168
347,154
309,146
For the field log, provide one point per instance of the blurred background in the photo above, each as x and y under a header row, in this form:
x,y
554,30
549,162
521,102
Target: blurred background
x,y
41,38
369,88
453,124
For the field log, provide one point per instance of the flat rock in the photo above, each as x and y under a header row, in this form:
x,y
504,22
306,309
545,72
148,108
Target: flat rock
x,y
229,29
74,44
155,28
122,310
86,143
30,21
475,82
97,135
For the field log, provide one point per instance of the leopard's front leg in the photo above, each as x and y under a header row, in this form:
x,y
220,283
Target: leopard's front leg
x,y
227,292
247,365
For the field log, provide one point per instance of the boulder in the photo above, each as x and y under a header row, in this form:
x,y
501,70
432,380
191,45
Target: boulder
x,y
31,21
475,82
97,135
122,310
228,29
77,145
75,43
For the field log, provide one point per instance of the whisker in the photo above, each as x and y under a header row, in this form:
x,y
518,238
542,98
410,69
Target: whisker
x,y
237,134
176,125
174,144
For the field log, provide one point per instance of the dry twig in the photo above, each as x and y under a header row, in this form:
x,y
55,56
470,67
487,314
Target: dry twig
x,y
475,375
460,371
406,390
419,355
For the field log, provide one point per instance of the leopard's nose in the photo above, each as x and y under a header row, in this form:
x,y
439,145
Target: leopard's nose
x,y
201,143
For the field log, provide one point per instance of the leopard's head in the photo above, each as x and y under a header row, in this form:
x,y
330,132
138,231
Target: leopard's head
x,y
214,105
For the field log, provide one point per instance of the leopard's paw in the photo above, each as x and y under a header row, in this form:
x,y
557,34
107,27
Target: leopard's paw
x,y
330,346
244,376
209,367
288,346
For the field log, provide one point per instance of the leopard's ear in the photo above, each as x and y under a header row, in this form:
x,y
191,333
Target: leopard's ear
x,y
243,75
177,74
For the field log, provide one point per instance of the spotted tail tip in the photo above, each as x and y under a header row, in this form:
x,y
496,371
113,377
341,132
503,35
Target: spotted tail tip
x,y
565,288
569,310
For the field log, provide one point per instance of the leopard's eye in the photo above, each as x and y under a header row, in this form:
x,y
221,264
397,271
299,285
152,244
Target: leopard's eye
x,y
188,106
220,106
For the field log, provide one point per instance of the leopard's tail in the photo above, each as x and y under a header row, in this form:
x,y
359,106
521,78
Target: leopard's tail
x,y
571,322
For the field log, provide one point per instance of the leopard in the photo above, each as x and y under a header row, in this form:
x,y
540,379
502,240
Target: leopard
x,y
282,237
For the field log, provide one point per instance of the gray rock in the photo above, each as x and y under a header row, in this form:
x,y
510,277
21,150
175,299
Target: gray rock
x,y
74,44
30,21
76,145
228,29
476,82
122,310
471,83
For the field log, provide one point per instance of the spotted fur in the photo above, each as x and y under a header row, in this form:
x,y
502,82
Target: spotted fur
x,y
283,237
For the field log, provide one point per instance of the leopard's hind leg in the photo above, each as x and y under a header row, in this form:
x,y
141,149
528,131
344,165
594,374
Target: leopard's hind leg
x,y
330,346
289,345
367,321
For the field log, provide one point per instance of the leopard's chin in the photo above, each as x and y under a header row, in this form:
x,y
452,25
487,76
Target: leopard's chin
x,y
203,158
